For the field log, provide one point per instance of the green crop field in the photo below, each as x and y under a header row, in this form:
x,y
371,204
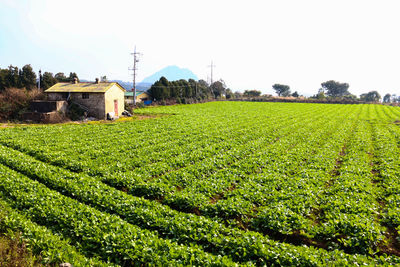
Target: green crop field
x,y
222,183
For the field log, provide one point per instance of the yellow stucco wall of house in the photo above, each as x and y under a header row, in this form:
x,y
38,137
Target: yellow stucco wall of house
x,y
114,93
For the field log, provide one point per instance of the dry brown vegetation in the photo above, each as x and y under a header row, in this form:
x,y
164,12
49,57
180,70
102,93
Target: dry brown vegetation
x,y
14,102
13,252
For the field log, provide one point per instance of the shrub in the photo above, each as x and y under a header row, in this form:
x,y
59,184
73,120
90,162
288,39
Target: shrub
x,y
14,102
140,105
75,112
13,252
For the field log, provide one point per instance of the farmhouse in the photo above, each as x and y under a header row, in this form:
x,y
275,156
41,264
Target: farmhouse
x,y
98,98
140,97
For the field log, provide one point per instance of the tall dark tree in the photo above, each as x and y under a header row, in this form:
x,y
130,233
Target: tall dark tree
x,y
164,81
13,79
48,80
281,89
194,89
3,79
229,94
160,90
27,77
295,94
73,75
386,98
175,90
218,88
204,89
185,87
335,89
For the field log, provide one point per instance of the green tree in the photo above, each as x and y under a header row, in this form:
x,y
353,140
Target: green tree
x,y
3,79
229,94
252,93
335,89
350,97
193,86
295,94
12,78
60,77
281,89
160,90
187,89
386,98
48,80
204,89
175,90
372,96
27,77
203,83
218,88
321,94
73,75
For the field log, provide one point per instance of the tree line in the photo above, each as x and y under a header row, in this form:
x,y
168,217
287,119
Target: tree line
x,y
182,90
187,89
13,77
336,90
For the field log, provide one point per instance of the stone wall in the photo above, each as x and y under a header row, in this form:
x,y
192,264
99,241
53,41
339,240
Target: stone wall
x,y
46,117
95,103
48,106
57,96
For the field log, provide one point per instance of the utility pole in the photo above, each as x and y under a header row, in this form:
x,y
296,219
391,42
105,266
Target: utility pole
x,y
40,75
211,66
135,61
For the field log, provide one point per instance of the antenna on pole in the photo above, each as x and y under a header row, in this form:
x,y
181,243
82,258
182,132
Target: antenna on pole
x,y
211,66
135,61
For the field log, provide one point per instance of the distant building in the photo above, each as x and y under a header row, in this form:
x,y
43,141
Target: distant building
x,y
141,96
99,98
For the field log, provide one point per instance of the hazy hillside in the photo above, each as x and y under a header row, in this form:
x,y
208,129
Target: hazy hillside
x,y
129,85
172,73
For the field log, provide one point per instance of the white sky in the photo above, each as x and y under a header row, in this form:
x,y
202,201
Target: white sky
x,y
254,44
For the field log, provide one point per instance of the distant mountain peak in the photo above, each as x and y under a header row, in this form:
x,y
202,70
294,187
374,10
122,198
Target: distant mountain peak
x,y
172,73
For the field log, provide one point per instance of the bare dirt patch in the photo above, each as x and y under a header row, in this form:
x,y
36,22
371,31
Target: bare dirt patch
x,y
6,125
392,246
